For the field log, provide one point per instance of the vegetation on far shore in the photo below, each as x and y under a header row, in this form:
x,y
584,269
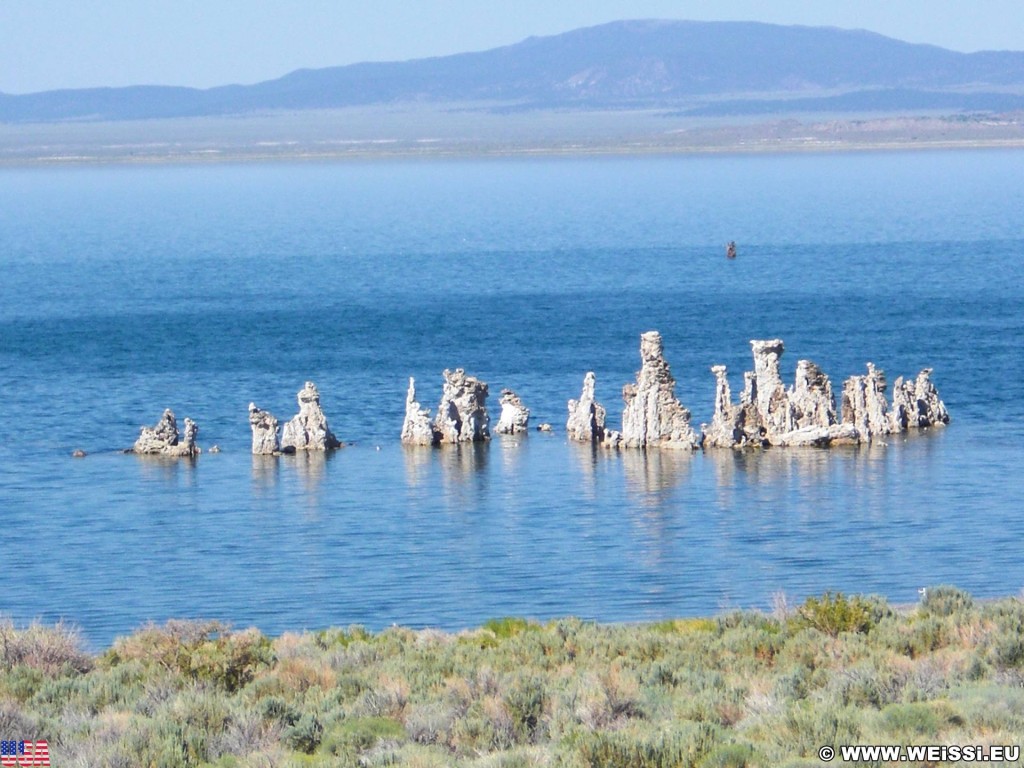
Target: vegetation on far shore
x,y
742,689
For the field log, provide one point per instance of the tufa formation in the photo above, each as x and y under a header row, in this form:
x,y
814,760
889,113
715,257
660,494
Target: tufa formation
x,y
586,422
653,417
461,416
308,429
265,441
417,429
805,414
165,440
515,417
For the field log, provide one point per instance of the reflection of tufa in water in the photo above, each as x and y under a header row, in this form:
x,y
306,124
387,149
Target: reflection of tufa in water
x,y
652,473
310,467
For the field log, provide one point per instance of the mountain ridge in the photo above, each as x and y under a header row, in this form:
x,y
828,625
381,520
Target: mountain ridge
x,y
630,64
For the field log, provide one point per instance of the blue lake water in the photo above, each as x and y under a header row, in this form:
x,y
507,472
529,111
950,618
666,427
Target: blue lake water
x,y
125,290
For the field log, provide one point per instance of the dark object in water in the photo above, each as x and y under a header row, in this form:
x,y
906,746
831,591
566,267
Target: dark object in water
x,y
730,250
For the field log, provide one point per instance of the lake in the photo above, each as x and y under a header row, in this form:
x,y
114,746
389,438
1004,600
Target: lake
x,y
127,290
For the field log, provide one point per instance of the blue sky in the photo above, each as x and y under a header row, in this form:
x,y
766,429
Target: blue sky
x,y
48,44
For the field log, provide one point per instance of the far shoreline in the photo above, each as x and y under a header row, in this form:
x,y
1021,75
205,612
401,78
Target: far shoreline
x,y
410,132
226,157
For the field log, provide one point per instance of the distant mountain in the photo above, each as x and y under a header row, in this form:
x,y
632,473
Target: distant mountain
x,y
703,67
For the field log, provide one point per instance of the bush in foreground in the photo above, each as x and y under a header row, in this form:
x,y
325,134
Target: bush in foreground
x,y
745,689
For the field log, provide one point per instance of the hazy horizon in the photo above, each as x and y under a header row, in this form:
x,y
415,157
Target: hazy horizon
x,y
197,45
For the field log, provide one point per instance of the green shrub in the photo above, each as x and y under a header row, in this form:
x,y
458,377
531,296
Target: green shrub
x,y
945,600
1005,644
722,706
305,735
988,707
358,734
341,638
1007,651
917,719
201,713
684,626
22,682
916,636
202,651
683,745
871,683
508,626
730,756
794,683
663,673
145,742
750,646
525,704
274,709
805,727
834,613
749,619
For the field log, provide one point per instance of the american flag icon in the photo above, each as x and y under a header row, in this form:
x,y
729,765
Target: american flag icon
x,y
24,753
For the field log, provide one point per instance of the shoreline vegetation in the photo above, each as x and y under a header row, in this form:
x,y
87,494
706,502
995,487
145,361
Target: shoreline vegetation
x,y
745,688
402,133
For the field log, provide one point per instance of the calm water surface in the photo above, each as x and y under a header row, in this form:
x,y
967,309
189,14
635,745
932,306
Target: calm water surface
x,y
127,290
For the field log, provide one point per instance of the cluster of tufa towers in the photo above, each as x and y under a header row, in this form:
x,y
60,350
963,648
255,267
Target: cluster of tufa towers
x,y
767,414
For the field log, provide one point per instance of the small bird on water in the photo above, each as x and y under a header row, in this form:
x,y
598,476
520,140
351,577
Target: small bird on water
x,y
730,250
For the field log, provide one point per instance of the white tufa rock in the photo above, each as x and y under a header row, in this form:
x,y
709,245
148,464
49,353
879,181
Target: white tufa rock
x,y
515,417
733,425
811,401
864,405
768,413
308,430
462,415
264,425
164,439
916,404
806,414
770,397
417,429
586,415
653,417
